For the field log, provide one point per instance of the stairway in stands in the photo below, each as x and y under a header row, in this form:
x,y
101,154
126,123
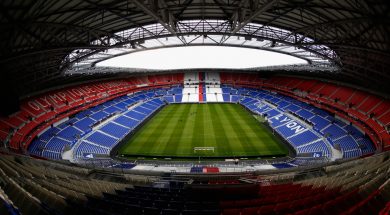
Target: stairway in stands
x,y
190,90
202,87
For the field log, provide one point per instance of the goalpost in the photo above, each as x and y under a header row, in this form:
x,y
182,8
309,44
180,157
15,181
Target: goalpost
x,y
196,149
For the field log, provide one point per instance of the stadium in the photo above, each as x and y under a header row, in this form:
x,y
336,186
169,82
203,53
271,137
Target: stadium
x,y
200,107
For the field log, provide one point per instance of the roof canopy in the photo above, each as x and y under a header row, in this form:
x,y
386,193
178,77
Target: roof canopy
x,y
41,40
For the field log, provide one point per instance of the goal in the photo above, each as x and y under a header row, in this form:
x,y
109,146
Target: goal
x,y
203,149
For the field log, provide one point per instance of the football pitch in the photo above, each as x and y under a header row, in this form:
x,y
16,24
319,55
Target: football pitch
x,y
221,130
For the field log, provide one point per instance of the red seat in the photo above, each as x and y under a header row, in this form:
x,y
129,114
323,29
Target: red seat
x,y
316,210
250,211
231,211
227,204
283,208
244,203
302,212
297,205
267,210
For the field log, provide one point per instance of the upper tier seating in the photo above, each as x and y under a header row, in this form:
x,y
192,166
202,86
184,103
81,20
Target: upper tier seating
x,y
231,78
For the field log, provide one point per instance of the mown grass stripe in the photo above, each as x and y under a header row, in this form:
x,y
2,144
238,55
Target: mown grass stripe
x,y
242,128
144,135
223,142
187,135
234,136
198,130
269,142
209,134
177,133
167,128
266,138
149,143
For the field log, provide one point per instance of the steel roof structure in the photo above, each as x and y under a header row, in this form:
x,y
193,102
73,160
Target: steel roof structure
x,y
43,40
203,33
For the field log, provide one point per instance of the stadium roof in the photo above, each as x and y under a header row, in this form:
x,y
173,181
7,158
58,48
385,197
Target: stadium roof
x,y
41,40
203,33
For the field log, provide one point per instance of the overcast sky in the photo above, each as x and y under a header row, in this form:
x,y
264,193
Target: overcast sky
x,y
201,57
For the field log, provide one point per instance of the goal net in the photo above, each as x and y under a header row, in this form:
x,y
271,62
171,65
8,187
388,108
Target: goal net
x,y
203,149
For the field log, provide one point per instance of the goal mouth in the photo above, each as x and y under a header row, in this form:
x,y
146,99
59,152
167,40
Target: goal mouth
x,y
204,149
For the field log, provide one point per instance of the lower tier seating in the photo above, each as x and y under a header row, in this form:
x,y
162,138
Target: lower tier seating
x,y
33,186
304,125
86,131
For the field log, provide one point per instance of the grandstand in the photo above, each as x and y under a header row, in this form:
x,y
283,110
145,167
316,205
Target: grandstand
x,y
307,128
83,134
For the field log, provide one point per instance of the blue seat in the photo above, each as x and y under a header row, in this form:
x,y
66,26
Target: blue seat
x,y
235,98
70,133
85,147
304,114
352,153
115,130
318,146
287,132
98,116
143,110
319,122
149,94
135,115
161,93
57,145
272,113
366,145
178,97
101,139
334,131
246,100
279,120
117,108
169,99
51,155
149,106
85,124
347,143
303,138
196,169
282,165
282,104
36,147
226,97
226,90
127,122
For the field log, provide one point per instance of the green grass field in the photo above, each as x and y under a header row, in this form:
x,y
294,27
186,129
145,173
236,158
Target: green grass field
x,y
178,128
